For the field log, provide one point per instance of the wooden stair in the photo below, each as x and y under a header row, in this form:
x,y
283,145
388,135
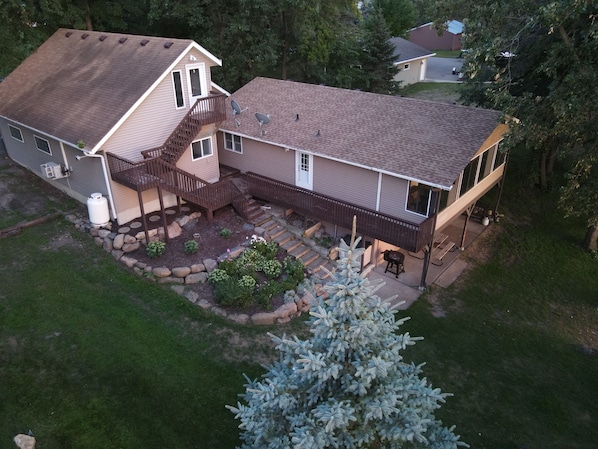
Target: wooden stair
x,y
304,249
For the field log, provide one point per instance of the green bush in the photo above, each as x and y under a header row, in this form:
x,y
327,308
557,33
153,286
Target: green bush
x,y
218,276
191,247
225,232
155,249
272,269
294,268
266,249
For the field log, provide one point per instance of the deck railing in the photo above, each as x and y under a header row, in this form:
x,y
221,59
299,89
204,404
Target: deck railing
x,y
407,235
205,111
155,172
134,175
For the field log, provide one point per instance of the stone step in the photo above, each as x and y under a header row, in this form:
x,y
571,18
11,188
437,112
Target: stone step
x,y
291,244
324,270
309,257
277,231
299,250
283,239
268,223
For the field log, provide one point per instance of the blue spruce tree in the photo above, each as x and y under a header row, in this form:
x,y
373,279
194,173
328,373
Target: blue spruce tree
x,y
348,386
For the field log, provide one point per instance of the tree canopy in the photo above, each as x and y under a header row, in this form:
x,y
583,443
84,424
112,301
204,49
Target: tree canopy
x,y
538,61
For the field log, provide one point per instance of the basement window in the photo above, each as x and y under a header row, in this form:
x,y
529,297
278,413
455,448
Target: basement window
x,y
16,133
42,145
201,148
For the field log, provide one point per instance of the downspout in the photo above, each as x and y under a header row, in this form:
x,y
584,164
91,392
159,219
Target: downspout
x,y
106,179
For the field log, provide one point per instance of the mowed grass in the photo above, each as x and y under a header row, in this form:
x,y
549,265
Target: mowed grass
x,y
92,356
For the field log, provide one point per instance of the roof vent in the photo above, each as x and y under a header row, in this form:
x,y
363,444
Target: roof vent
x,y
144,42
122,40
103,38
167,44
68,33
84,36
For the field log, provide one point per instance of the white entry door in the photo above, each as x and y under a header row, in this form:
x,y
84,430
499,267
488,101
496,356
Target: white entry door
x,y
303,170
196,82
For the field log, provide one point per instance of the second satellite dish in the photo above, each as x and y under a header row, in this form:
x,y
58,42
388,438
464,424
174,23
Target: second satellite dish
x,y
262,118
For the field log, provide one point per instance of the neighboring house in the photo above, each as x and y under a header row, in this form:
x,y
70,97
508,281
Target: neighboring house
x,y
405,167
426,36
155,131
411,59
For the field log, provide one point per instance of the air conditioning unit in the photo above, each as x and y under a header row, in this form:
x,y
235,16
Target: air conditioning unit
x,y
52,170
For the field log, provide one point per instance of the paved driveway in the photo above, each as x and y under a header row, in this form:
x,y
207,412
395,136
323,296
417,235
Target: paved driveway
x,y
441,69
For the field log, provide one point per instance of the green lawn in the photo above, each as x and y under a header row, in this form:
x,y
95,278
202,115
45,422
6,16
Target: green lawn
x,y
92,356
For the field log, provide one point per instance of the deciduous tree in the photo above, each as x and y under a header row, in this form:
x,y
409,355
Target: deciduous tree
x,y
541,61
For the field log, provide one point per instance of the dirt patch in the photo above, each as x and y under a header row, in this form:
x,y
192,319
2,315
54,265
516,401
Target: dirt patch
x,y
211,243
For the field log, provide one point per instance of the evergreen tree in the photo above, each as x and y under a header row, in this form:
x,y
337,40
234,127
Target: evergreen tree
x,y
378,57
347,386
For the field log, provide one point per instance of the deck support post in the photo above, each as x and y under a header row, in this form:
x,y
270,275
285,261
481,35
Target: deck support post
x,y
435,202
143,218
164,222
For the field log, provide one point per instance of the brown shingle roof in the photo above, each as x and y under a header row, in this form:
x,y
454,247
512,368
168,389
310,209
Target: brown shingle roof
x,y
416,139
406,51
78,84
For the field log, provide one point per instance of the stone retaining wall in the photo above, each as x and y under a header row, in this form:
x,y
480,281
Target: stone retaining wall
x,y
120,244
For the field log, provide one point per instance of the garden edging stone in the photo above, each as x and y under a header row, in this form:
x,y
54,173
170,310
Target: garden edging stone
x,y
119,242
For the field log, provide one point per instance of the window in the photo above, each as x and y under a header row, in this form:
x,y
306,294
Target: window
x,y
468,179
16,133
178,89
418,200
42,145
201,148
484,165
501,156
406,66
233,143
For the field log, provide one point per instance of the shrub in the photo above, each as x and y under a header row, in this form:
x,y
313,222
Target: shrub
x,y
272,269
294,268
266,249
247,282
218,276
155,249
225,232
190,247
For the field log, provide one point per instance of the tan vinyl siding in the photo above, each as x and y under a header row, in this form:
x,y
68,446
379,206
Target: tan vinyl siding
x,y
206,168
393,198
127,203
410,76
345,182
258,157
153,121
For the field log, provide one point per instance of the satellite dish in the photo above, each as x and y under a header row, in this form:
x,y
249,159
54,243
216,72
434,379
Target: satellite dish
x,y
236,107
262,118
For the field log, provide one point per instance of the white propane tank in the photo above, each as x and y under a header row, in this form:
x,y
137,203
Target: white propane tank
x,y
97,207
